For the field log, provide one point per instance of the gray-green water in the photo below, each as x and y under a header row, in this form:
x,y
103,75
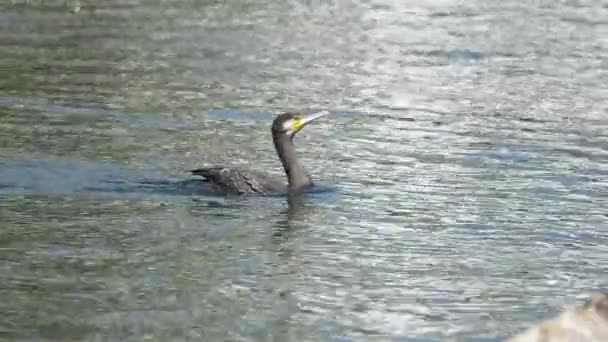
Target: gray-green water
x,y
466,168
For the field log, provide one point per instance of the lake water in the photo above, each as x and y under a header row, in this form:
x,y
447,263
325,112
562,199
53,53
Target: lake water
x,y
464,169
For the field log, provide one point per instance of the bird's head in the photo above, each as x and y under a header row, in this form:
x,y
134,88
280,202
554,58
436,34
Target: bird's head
x,y
291,123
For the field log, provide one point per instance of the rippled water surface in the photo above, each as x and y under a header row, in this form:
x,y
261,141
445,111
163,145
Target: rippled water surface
x,y
464,169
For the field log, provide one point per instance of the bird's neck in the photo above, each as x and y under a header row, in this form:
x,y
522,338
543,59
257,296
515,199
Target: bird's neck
x,y
296,176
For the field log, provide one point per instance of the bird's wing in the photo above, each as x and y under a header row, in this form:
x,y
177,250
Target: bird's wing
x,y
211,174
238,180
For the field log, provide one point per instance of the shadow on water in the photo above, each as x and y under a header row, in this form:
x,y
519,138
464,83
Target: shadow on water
x,y
36,175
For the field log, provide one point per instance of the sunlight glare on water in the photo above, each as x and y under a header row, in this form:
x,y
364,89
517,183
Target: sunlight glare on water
x,y
463,169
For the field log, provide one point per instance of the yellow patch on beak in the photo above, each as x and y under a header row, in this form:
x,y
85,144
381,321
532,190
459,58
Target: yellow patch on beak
x,y
296,123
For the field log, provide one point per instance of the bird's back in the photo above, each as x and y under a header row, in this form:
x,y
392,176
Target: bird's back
x,y
240,181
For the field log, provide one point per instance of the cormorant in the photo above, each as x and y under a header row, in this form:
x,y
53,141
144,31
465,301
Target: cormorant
x,y
240,181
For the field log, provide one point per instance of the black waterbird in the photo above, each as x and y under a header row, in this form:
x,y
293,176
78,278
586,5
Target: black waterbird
x,y
242,181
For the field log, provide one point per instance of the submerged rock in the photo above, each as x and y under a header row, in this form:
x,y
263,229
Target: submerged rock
x,y
587,323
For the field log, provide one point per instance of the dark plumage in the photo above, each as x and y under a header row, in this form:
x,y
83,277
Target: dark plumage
x,y
241,181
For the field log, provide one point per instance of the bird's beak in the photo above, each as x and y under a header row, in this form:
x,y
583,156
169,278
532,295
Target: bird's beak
x,y
304,119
